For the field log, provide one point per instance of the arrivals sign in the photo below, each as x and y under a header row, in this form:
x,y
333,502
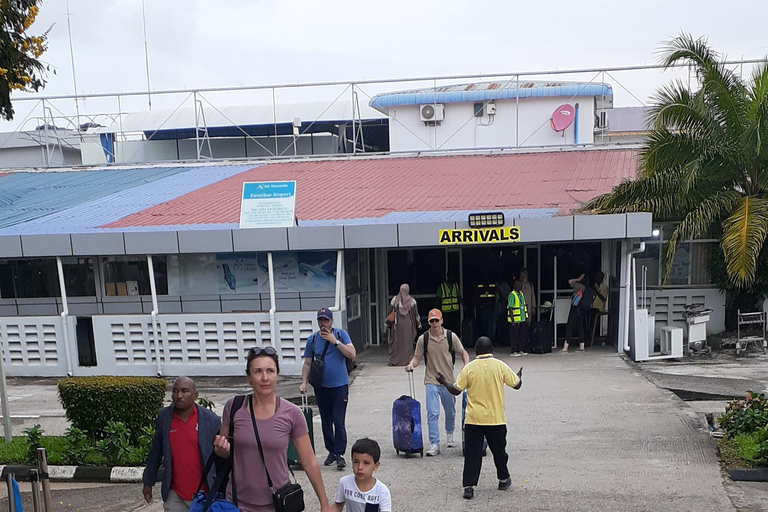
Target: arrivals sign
x,y
502,235
268,204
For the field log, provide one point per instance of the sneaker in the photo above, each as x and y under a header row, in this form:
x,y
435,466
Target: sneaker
x,y
340,463
505,484
434,449
516,354
330,459
469,493
449,442
523,353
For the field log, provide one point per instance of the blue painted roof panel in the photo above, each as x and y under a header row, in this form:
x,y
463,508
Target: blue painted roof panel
x,y
78,202
486,91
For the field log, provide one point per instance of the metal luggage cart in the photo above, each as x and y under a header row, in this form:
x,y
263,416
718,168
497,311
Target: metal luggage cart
x,y
751,331
696,317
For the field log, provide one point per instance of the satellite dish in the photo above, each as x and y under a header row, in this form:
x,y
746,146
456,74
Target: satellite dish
x,y
562,117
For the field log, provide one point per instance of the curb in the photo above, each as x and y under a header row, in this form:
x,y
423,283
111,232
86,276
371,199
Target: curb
x,y
749,475
117,474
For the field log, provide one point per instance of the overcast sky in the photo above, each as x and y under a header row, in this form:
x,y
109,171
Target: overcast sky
x,y
199,43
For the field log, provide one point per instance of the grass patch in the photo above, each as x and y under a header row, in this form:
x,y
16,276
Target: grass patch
x,y
730,458
15,452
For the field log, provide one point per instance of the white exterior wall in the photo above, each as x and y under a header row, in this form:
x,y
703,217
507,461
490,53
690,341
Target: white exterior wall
x,y
462,130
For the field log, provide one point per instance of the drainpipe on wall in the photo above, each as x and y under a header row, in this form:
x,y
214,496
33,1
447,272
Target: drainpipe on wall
x,y
339,280
64,315
629,280
272,308
576,125
153,288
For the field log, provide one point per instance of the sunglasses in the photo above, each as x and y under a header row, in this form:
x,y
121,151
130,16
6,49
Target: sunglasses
x,y
434,320
255,351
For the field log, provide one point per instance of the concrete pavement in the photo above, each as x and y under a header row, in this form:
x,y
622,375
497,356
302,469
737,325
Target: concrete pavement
x,y
586,432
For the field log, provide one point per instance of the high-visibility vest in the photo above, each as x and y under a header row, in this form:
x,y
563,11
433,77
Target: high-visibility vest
x,y
488,291
449,298
519,308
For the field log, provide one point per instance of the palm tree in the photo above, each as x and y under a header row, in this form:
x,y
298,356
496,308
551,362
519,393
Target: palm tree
x,y
706,161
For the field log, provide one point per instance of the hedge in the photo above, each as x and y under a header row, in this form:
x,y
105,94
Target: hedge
x,y
91,402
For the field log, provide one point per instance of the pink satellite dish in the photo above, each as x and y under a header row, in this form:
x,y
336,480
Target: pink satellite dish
x,y
562,117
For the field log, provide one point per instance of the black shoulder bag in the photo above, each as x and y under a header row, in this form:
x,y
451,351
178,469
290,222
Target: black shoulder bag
x,y
317,368
288,498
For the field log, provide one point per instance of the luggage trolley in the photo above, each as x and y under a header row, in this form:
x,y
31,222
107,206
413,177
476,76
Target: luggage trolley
x,y
696,317
751,331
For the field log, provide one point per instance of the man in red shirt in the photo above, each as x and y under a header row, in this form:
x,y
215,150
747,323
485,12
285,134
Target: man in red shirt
x,y
184,434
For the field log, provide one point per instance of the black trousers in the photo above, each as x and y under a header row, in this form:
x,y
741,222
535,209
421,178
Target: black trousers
x,y
518,337
452,322
575,321
496,435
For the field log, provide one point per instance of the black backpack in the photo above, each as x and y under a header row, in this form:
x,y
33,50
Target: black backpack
x,y
587,298
448,337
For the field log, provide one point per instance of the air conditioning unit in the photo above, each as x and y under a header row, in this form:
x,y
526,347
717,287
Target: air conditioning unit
x,y
432,113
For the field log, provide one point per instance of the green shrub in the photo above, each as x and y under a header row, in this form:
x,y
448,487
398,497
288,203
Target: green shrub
x,y
116,445
205,403
91,403
749,447
34,441
78,446
745,416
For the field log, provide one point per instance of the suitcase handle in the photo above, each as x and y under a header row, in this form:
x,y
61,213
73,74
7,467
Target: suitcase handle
x,y
411,385
304,401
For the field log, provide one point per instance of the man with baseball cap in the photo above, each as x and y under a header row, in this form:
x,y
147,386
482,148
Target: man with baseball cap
x,y
333,347
438,359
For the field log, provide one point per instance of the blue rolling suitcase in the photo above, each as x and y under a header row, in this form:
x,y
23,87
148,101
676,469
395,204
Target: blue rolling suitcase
x,y
406,423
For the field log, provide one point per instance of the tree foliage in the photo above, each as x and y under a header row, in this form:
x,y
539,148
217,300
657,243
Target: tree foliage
x,y
20,68
705,163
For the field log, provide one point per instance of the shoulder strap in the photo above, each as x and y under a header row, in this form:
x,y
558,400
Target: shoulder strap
x,y
223,471
261,450
425,343
449,339
322,356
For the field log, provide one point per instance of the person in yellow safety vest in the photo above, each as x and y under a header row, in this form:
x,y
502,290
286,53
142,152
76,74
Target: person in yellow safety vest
x,y
486,298
449,301
517,316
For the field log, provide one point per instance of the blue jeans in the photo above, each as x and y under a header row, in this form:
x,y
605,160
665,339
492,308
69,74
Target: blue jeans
x,y
332,405
435,395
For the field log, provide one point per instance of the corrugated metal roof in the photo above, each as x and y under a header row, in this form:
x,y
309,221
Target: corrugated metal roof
x,y
134,197
485,91
341,190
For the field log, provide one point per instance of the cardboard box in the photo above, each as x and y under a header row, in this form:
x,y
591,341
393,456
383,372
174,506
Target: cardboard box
x,y
110,288
121,289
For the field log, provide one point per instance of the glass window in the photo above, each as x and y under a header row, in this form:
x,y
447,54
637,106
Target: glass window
x,y
649,259
78,277
28,279
700,258
129,275
422,269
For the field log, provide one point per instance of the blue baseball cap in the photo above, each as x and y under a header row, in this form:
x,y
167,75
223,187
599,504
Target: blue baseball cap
x,y
325,313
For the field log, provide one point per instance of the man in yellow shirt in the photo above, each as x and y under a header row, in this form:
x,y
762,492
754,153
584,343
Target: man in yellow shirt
x,y
484,380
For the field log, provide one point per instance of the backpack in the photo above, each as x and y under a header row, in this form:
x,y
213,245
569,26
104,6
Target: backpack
x,y
448,337
587,298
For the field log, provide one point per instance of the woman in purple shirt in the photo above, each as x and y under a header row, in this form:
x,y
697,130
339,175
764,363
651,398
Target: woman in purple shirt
x,y
277,421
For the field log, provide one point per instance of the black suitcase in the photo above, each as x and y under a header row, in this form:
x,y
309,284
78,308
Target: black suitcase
x,y
542,336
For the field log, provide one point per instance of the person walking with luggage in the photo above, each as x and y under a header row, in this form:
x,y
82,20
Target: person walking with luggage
x,y
328,349
403,322
438,347
184,434
277,421
484,380
517,317
576,314
449,301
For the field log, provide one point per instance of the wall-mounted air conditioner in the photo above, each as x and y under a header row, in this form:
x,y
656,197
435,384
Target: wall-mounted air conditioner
x,y
432,112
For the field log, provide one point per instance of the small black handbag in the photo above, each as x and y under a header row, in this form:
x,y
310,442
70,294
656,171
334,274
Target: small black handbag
x,y
317,368
288,498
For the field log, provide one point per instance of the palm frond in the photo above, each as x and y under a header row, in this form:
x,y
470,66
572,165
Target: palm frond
x,y
685,48
697,223
744,232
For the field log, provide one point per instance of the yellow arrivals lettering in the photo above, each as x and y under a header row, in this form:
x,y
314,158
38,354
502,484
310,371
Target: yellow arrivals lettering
x,y
479,236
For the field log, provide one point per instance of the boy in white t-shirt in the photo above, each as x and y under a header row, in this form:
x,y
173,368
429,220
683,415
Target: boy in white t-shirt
x,y
362,492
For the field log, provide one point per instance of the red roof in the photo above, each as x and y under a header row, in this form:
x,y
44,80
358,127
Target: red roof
x,y
373,187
